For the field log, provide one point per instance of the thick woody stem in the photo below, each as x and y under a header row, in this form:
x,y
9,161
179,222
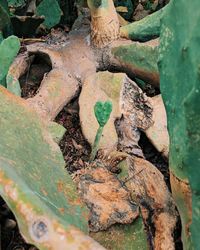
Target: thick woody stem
x,y
55,92
104,22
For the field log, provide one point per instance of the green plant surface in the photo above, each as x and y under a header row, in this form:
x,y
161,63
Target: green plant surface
x,y
128,5
57,131
13,85
123,237
139,59
180,85
50,9
8,51
145,29
94,4
33,180
16,3
5,23
102,111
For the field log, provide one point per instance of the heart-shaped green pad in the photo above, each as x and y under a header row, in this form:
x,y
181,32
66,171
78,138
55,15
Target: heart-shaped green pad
x,y
102,112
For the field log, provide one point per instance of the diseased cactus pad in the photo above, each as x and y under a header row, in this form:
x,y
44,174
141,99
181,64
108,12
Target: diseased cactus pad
x,y
102,112
33,180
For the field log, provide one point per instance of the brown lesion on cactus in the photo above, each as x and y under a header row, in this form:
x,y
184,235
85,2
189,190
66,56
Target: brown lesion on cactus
x,y
183,195
38,227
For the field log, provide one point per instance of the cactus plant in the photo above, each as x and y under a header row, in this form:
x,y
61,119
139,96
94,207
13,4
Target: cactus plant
x,y
145,29
180,86
34,183
38,155
52,15
5,23
8,51
102,113
133,57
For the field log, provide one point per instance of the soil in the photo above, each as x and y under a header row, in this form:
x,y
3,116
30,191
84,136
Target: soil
x,y
76,150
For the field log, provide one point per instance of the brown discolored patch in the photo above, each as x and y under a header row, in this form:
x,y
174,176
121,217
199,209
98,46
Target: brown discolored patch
x,y
157,206
60,186
62,210
44,191
164,225
109,202
104,25
183,196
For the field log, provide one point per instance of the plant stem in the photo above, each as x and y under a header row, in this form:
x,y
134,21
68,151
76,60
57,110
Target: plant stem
x,y
96,143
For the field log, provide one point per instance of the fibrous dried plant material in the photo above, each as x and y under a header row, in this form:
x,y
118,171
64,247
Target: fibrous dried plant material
x,y
104,22
137,115
149,189
157,132
108,201
135,105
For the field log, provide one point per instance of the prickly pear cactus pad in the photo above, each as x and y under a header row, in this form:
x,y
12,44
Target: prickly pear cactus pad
x,y
180,86
102,112
33,180
8,51
52,15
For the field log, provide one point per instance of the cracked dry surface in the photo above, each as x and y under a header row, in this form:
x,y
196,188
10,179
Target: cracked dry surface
x,y
109,202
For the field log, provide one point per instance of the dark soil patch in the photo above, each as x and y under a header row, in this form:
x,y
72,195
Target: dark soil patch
x,y
155,157
11,238
31,80
74,146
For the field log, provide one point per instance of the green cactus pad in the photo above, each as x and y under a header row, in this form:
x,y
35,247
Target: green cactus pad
x,y
32,166
8,51
102,112
180,86
52,15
